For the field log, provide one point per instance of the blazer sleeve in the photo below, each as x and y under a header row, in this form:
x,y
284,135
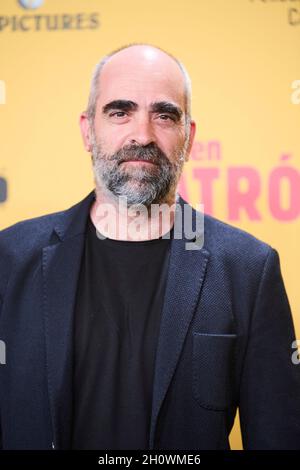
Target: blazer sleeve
x,y
269,401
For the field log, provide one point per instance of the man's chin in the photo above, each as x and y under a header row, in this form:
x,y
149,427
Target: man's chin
x,y
136,197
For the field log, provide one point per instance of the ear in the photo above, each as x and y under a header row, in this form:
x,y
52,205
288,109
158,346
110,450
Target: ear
x,y
191,139
85,131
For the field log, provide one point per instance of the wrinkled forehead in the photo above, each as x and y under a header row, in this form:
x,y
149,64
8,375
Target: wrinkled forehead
x,y
142,77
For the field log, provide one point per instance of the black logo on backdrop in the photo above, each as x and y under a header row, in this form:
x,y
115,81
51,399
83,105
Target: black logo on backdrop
x,y
293,14
3,190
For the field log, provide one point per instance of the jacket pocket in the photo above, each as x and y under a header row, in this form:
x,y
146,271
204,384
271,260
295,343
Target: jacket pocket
x,y
213,369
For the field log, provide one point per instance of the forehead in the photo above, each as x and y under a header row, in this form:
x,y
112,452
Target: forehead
x,y
142,81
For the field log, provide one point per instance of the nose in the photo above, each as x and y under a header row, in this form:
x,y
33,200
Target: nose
x,y
142,132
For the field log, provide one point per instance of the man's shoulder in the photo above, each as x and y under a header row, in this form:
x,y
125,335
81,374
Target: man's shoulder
x,y
38,223
33,230
237,254
22,240
29,231
220,236
225,233
233,245
37,231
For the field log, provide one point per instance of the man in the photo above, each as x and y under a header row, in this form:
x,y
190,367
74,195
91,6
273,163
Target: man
x,y
122,338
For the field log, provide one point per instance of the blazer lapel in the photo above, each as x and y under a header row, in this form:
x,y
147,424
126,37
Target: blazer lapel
x,y
185,277
61,266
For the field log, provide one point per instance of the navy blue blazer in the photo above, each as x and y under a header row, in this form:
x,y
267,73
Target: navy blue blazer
x,y
225,339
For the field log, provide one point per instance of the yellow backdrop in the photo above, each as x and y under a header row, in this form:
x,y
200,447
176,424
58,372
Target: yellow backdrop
x,y
243,57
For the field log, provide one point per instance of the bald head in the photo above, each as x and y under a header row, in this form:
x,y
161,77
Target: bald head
x,y
140,63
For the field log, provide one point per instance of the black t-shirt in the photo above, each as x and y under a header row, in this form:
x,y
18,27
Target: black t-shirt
x,y
117,317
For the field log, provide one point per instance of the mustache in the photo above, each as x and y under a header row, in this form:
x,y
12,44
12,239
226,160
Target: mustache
x,y
147,153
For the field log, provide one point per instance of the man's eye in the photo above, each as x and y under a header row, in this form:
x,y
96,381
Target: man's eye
x,y
166,117
119,114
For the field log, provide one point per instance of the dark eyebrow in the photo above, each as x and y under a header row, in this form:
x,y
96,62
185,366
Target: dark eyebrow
x,y
156,107
124,105
167,107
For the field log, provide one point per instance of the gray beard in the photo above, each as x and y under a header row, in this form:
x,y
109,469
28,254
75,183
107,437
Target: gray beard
x,y
147,184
